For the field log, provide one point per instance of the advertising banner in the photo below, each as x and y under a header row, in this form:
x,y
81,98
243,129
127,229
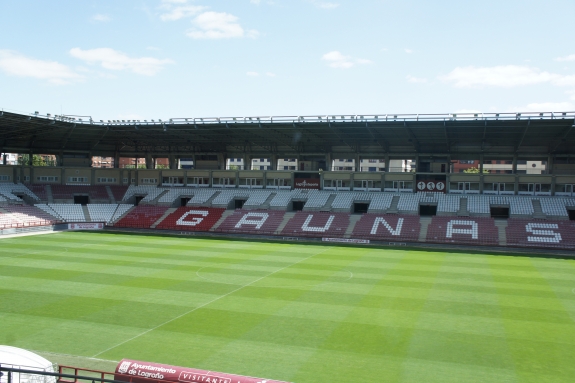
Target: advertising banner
x,y
306,183
141,372
345,240
86,226
431,186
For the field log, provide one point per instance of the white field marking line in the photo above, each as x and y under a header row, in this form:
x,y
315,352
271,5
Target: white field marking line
x,y
573,290
39,251
75,356
205,304
281,286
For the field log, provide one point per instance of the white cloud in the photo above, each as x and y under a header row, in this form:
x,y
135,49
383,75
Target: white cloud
x,y
270,74
180,12
324,4
253,74
415,80
503,76
257,2
101,18
16,64
336,59
218,25
547,107
114,60
408,51
327,5
566,58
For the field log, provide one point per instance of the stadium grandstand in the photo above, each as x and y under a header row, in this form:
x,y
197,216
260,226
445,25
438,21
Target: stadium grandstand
x,y
504,179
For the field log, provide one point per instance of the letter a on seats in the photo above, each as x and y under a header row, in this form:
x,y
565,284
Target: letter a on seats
x,y
247,220
306,227
379,220
473,230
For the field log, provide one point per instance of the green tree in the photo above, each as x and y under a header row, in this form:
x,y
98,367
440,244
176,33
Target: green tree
x,y
24,159
475,170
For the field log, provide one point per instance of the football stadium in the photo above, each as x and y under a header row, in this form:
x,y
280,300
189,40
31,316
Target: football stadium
x,y
287,191
333,248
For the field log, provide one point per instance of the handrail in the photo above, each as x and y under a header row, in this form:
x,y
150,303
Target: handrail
x,y
11,370
330,118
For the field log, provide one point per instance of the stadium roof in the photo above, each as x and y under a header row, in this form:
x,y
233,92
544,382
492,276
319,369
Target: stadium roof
x,y
458,135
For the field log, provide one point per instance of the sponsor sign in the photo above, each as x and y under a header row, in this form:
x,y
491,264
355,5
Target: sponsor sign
x,y
142,372
86,226
306,183
431,186
345,240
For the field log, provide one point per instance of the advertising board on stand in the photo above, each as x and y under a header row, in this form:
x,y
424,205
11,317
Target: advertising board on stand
x,y
345,240
86,226
431,186
141,372
306,183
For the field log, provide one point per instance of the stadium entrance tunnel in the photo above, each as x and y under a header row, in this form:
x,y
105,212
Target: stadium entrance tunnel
x,y
81,199
500,212
239,203
138,199
297,205
428,210
360,208
184,201
571,213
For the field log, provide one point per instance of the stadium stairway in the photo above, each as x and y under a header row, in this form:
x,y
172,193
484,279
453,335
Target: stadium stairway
x,y
424,221
501,225
49,194
121,216
327,205
266,204
393,207
110,194
208,203
353,220
463,210
537,210
155,200
222,218
287,216
159,220
86,213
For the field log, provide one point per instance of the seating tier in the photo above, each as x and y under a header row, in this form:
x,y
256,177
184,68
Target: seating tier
x,y
539,233
142,216
191,219
252,222
386,227
463,230
317,224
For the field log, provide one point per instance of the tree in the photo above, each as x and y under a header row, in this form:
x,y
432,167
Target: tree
x,y
24,159
475,170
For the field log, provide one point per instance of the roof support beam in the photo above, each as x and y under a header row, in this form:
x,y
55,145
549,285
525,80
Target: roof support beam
x,y
380,141
522,136
563,137
412,137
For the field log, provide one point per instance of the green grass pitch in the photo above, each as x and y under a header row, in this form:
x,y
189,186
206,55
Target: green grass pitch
x,y
294,312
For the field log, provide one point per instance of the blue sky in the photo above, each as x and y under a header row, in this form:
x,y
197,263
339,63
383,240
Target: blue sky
x,y
143,59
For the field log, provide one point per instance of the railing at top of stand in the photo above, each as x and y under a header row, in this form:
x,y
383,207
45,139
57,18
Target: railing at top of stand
x,y
61,377
330,118
100,376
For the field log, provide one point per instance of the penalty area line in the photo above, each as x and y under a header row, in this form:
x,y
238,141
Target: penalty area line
x,y
204,305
